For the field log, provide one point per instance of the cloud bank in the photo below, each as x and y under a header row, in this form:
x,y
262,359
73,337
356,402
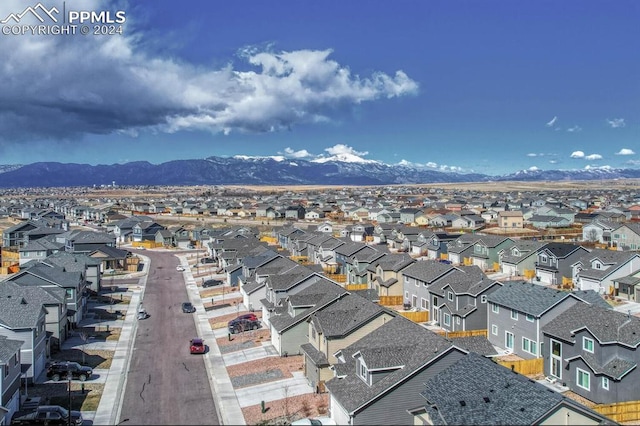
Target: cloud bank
x,y
64,87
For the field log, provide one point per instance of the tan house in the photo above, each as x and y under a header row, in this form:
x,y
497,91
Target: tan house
x,y
510,219
385,275
336,327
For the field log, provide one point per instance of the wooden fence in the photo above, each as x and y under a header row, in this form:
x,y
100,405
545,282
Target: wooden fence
x,y
462,333
354,287
339,278
620,411
417,316
146,244
390,300
526,367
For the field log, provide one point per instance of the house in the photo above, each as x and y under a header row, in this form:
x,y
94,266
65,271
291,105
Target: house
x,y
53,300
10,380
594,352
335,327
478,391
357,265
519,310
417,278
288,319
77,241
520,258
39,249
145,231
487,250
24,320
460,250
254,272
553,265
461,299
111,259
438,243
379,377
599,231
385,274
598,269
627,236
510,219
627,287
547,221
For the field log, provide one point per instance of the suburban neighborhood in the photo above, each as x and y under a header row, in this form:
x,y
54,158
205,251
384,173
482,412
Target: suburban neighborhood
x,y
359,305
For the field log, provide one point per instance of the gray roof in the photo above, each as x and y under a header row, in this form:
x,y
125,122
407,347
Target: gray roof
x,y
318,358
20,312
399,342
606,325
615,368
481,392
535,299
477,344
42,275
613,260
345,316
8,348
427,270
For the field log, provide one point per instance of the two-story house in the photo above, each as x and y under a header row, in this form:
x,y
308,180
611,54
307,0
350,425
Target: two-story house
x,y
519,310
594,352
599,269
335,327
487,250
520,258
627,236
555,260
385,274
378,378
461,249
416,280
10,377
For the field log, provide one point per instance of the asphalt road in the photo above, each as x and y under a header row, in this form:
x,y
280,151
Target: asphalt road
x,y
166,384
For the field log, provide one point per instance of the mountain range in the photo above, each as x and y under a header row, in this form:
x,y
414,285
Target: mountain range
x,y
244,170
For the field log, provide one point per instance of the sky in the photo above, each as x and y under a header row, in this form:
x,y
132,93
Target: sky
x,y
489,87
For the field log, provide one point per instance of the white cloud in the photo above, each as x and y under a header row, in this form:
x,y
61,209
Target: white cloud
x,y
552,121
593,157
65,87
625,151
577,154
432,165
594,167
533,169
303,153
633,162
553,161
532,154
339,149
575,128
616,122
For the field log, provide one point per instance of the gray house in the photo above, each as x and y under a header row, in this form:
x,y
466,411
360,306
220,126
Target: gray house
x,y
520,257
379,377
24,320
10,379
417,278
461,299
481,392
594,352
288,320
555,262
519,310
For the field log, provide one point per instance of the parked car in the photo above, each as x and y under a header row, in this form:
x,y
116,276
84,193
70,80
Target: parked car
x,y
48,415
180,268
206,260
211,283
243,323
187,308
62,369
142,314
197,346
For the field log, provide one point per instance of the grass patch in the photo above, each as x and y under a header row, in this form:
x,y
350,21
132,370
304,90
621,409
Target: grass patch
x,y
87,401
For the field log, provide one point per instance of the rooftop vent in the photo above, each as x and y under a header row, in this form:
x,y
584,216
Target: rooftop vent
x,y
462,403
486,399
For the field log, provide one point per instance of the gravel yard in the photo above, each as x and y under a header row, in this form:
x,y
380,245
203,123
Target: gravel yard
x,y
283,412
285,364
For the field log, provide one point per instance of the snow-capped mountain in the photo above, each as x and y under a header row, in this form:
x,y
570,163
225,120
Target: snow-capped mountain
x,y
279,170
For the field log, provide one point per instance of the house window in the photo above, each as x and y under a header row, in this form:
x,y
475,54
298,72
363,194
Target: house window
x,y
494,329
447,319
406,279
584,379
483,298
514,314
450,296
494,308
458,320
530,318
69,293
543,258
406,295
313,333
424,304
6,370
530,346
605,383
587,344
508,340
362,370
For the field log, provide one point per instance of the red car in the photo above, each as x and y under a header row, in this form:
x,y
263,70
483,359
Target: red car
x,y
197,346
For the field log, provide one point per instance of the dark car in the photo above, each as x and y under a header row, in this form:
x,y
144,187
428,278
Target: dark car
x,y
197,346
61,370
206,260
211,283
243,323
48,415
188,308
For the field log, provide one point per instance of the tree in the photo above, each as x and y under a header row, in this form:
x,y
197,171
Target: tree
x,y
84,336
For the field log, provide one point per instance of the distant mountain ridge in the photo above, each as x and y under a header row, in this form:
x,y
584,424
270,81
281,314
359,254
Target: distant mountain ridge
x,y
243,170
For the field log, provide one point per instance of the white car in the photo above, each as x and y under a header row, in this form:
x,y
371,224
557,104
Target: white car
x,y
318,421
180,268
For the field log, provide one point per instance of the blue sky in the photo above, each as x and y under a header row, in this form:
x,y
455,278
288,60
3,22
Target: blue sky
x,y
484,86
